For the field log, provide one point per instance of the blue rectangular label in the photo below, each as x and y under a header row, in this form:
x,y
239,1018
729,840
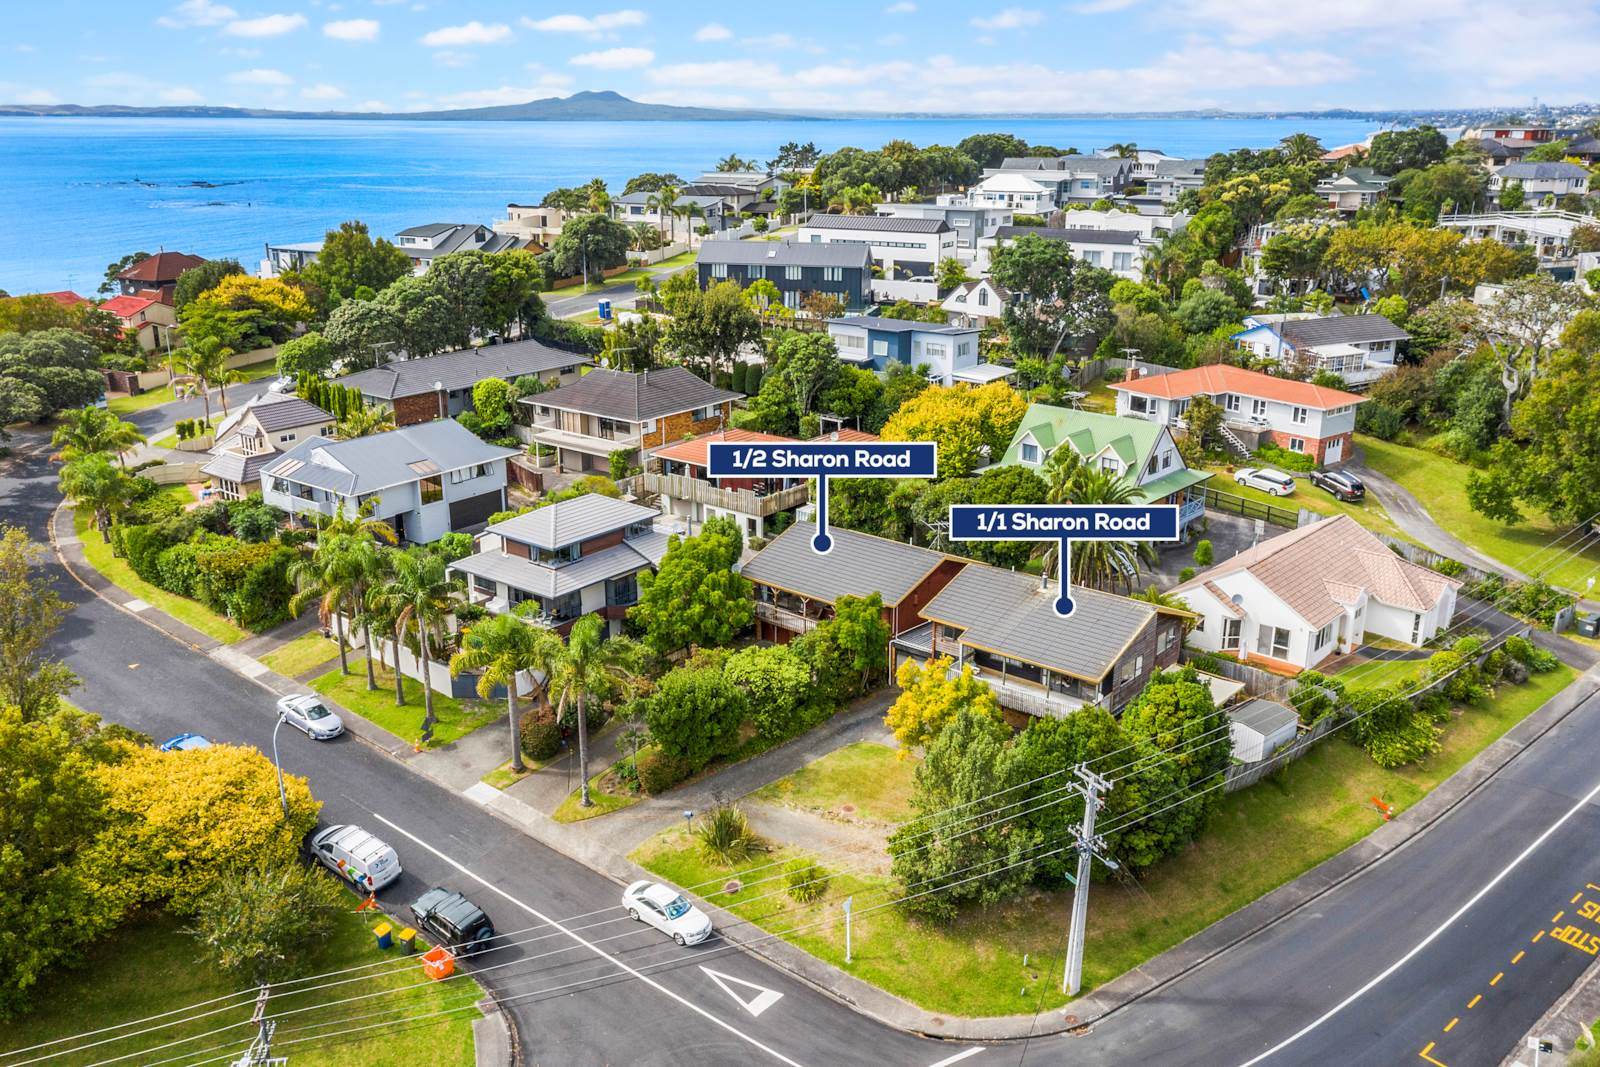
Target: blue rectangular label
x,y
1075,522
837,459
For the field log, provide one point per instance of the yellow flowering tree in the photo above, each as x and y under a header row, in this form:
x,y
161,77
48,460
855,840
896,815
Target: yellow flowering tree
x,y
964,422
930,699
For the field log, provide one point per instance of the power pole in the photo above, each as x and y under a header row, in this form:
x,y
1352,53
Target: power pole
x,y
259,1054
1090,848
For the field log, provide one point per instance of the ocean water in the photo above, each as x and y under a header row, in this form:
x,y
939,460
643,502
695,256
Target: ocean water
x,y
78,193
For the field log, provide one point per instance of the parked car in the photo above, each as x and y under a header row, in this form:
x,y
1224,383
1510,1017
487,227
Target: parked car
x,y
1339,483
184,743
667,910
356,856
309,715
285,384
1265,479
452,920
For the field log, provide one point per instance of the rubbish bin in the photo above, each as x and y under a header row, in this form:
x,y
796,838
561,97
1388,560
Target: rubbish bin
x,y
437,963
408,940
382,932
605,310
1589,625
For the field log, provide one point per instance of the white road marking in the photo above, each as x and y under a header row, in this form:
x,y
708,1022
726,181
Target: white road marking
x,y
764,998
1432,936
602,953
137,605
480,792
958,1057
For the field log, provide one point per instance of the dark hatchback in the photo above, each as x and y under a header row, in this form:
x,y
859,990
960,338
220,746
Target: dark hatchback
x,y
1341,484
451,919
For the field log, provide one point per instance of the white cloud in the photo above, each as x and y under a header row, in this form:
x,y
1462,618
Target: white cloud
x,y
473,32
260,76
15,94
505,94
770,41
322,92
352,29
141,86
179,94
265,26
549,79
614,59
904,7
611,20
25,48
197,13
1012,18
713,31
745,73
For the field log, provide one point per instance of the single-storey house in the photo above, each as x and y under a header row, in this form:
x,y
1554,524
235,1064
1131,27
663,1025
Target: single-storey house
x,y
440,387
1358,348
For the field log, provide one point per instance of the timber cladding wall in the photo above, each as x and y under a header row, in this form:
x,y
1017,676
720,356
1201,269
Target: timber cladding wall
x,y
670,428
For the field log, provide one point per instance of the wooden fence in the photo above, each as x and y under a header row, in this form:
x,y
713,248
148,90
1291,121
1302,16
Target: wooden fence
x,y
1229,504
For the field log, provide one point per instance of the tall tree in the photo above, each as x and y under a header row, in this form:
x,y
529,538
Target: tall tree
x,y
30,612
87,430
710,326
664,202
422,596
350,260
1300,148
132,259
205,360
1520,324
365,333
591,664
695,597
502,650
328,575
588,245
94,482
200,279
1058,300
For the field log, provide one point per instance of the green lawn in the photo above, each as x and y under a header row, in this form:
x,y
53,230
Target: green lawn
x,y
974,966
682,259
457,718
119,574
152,967
605,789
1100,397
1440,483
123,405
872,779
1368,511
309,650
1377,670
503,777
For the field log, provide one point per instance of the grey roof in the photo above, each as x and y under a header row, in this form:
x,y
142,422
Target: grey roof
x,y
1265,717
887,325
460,369
1340,329
285,411
1070,234
786,253
1180,168
568,521
548,581
633,397
887,223
1009,614
1069,164
368,464
1525,171
432,229
643,197
858,565
236,467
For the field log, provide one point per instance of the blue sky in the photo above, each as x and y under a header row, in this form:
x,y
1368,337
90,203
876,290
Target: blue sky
x,y
881,55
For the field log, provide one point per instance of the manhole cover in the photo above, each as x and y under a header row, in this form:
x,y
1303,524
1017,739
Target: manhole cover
x,y
733,886
847,809
1070,1020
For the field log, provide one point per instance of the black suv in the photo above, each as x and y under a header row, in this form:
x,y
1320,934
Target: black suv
x,y
1339,483
451,919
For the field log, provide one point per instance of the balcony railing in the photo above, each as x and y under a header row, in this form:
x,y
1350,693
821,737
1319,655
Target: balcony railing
x,y
784,617
743,501
556,437
1024,697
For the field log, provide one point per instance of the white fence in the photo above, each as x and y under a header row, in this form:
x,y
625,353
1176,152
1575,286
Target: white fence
x,y
656,255
439,679
890,289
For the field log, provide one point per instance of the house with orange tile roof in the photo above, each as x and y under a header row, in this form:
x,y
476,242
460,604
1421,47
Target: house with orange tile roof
x,y
1295,600
1258,409
143,317
675,475
68,299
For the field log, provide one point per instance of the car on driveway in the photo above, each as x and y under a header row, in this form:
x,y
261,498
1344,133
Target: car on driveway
x,y
308,714
1341,484
452,920
667,910
1265,479
184,743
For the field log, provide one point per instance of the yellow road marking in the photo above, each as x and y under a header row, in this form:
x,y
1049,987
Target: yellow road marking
x,y
1451,1024
1537,936
1518,957
1575,898
1557,916
1497,976
1424,1054
1473,1003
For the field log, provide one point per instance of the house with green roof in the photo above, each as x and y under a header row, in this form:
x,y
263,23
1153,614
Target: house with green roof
x,y
1138,449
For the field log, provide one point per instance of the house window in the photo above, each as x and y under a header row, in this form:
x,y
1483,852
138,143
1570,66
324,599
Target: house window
x,y
880,348
1200,625
1231,401
482,584
286,437
983,297
702,414
1297,444
792,273
558,556
1092,258
1230,635
1273,641
1140,404
1416,629
432,489
1299,415
719,270
832,274
757,271
1029,452
1165,640
853,341
1122,261
1324,635
1258,408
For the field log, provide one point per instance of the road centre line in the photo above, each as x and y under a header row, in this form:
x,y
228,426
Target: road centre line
x,y
957,1058
1473,1003
598,951
1433,935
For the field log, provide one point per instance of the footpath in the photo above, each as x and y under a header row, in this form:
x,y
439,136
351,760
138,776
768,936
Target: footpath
x,y
602,844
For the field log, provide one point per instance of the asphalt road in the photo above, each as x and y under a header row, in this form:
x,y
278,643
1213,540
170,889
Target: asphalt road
x,y
1372,973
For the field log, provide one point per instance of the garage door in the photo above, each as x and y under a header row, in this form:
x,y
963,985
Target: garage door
x,y
473,510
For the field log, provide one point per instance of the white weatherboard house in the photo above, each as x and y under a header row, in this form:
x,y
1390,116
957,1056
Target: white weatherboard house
x,y
1358,348
1312,593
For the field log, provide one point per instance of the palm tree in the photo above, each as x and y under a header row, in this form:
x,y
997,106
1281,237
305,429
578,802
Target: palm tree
x,y
688,211
206,360
1300,148
92,481
1124,150
503,648
599,199
89,430
1103,564
590,664
732,164
663,202
364,421
327,575
422,594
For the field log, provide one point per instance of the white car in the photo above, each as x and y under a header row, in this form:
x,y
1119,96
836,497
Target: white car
x,y
1265,479
309,715
668,911
285,384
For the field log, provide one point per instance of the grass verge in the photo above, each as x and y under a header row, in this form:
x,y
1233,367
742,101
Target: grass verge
x,y
151,967
120,574
294,658
457,718
872,780
503,777
973,966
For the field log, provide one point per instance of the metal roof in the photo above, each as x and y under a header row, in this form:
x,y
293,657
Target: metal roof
x,y
547,581
1536,171
786,253
886,223
888,325
461,369
236,467
576,519
1336,329
1265,717
432,229
1008,613
635,397
858,565
380,460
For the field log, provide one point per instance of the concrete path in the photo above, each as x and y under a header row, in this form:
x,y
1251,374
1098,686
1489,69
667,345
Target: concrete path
x,y
548,786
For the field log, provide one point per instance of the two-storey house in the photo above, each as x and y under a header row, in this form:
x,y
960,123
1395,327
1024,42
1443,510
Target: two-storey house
x,y
538,224
257,432
1070,179
969,219
900,247
156,276
1541,180
440,387
424,244
640,206
1358,348
282,258
1353,189
1119,251
145,319
796,268
1257,408
1015,193
950,353
607,411
576,557
425,480
975,304
675,475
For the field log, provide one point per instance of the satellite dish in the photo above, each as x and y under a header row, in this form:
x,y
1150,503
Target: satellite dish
x,y
1237,598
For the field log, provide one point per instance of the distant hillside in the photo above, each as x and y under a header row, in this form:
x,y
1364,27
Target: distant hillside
x,y
579,107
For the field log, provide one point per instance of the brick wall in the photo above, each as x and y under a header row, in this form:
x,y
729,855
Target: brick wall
x,y
420,407
1316,447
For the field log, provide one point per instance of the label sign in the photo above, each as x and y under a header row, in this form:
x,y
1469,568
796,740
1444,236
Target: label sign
x,y
822,460
1064,524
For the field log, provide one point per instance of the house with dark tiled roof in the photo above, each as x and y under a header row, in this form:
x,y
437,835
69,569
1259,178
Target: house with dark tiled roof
x,y
440,387
156,276
257,432
424,244
1540,180
1358,348
900,247
1295,600
796,268
1352,189
607,411
1119,251
949,352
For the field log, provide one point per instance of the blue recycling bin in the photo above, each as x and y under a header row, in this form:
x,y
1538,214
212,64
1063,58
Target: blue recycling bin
x,y
383,932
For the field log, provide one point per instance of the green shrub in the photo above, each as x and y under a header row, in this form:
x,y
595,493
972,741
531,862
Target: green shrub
x,y
261,600
141,545
1204,553
659,771
177,569
777,683
725,835
541,736
1185,574
1530,655
741,374
806,880
1450,568
1287,460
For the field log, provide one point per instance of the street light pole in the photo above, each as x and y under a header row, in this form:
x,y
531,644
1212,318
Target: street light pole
x,y
283,795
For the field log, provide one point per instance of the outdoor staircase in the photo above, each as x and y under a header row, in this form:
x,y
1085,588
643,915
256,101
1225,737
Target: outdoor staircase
x,y
1231,439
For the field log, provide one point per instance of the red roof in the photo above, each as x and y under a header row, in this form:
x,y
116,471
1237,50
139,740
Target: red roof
x,y
126,307
1218,378
693,450
67,298
848,436
163,267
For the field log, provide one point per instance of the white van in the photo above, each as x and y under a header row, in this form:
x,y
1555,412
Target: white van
x,y
356,856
